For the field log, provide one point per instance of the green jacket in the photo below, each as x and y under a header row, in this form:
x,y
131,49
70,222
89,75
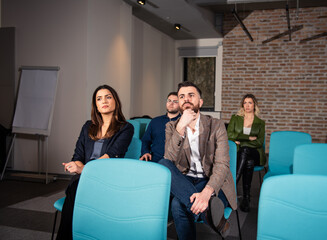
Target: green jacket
x,y
235,133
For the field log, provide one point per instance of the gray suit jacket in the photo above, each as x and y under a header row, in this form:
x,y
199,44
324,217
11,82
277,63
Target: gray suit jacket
x,y
214,153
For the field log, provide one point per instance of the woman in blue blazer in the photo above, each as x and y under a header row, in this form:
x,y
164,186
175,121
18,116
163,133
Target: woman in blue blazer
x,y
247,130
107,135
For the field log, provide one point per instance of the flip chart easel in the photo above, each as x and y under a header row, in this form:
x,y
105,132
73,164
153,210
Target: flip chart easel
x,y
34,108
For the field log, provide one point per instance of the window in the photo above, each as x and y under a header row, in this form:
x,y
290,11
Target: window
x,y
200,61
202,72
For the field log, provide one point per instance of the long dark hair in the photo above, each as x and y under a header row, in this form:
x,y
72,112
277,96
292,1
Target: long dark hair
x,y
117,120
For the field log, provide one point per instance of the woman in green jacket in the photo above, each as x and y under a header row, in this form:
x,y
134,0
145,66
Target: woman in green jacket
x,y
247,130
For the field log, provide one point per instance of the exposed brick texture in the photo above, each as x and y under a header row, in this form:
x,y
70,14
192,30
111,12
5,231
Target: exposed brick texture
x,y
289,78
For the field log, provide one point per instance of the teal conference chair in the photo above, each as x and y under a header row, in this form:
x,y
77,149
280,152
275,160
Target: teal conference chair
x,y
260,168
233,166
122,199
281,151
144,125
310,159
134,149
137,127
293,207
58,206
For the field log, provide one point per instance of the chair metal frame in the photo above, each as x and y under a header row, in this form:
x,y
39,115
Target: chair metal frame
x,y
58,206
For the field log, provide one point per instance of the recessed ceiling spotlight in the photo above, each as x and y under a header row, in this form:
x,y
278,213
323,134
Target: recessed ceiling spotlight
x,y
177,26
141,2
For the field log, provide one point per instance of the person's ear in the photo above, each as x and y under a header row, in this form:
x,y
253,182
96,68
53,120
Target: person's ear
x,y
201,102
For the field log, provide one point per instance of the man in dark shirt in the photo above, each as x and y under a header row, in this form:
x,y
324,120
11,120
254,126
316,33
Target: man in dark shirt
x,y
153,140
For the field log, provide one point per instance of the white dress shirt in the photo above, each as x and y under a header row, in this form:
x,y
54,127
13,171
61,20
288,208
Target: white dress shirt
x,y
196,169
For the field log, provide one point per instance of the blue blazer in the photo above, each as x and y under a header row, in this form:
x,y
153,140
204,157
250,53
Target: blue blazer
x,y
115,146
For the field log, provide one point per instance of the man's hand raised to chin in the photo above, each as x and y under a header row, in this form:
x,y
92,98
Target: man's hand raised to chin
x,y
187,117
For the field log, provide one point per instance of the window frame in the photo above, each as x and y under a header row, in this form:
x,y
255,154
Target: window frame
x,y
202,48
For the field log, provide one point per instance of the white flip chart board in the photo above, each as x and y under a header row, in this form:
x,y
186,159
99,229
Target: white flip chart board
x,y
35,101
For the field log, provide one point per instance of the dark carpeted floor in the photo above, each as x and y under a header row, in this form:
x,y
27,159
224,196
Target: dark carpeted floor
x,y
27,212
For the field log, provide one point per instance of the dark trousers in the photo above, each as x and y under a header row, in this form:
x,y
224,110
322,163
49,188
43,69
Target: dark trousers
x,y
247,158
182,188
66,224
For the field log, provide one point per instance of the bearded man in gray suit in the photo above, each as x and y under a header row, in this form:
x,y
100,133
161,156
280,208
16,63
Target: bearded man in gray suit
x,y
197,154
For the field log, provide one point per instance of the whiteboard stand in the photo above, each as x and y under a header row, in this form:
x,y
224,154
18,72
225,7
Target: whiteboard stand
x,y
40,153
42,148
42,157
34,109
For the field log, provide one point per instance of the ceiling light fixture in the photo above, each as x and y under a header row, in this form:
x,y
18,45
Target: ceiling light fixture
x,y
178,26
141,2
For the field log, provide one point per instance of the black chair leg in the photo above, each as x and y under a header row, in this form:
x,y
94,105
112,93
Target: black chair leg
x,y
238,225
54,225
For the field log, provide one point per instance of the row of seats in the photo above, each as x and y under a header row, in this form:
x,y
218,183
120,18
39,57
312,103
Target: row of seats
x,y
292,203
283,142
281,151
129,175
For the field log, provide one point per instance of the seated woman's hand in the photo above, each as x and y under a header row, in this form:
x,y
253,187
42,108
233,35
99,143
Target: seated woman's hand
x,y
252,138
74,167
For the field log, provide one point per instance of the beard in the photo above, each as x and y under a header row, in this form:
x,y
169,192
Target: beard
x,y
174,111
195,108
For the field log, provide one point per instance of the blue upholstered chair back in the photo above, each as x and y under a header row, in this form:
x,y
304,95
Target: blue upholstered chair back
x,y
232,166
293,207
233,158
310,159
122,199
281,151
137,127
144,125
134,149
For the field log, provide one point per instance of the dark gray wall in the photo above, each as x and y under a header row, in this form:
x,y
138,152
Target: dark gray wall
x,y
7,75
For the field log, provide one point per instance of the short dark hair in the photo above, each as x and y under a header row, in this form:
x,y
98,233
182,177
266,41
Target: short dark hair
x,y
172,93
189,84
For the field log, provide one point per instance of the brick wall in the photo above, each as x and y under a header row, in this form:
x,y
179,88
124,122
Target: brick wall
x,y
289,78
